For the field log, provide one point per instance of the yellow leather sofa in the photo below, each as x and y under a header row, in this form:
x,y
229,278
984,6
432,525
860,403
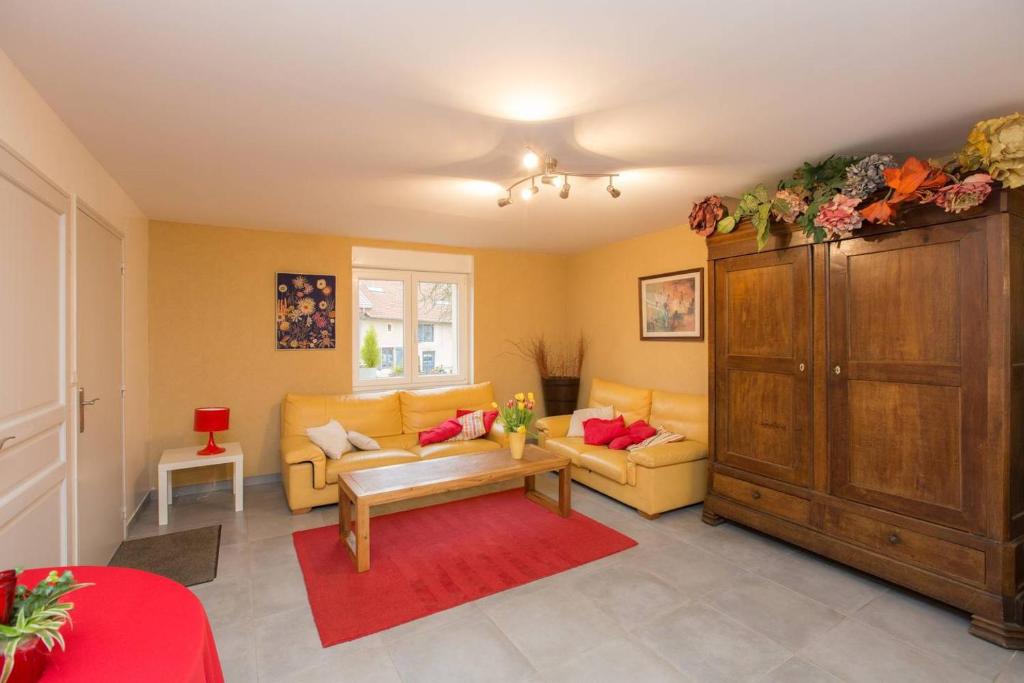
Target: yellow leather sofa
x,y
394,419
654,479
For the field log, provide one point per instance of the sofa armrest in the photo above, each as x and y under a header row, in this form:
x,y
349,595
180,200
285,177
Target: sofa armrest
x,y
553,426
669,454
498,435
299,449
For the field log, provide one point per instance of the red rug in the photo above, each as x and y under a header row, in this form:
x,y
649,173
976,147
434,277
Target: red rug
x,y
431,559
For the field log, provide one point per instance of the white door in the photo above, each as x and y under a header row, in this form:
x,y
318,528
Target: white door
x,y
99,461
33,367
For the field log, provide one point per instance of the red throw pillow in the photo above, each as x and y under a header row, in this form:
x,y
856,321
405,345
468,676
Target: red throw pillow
x,y
489,416
621,443
441,432
640,431
598,432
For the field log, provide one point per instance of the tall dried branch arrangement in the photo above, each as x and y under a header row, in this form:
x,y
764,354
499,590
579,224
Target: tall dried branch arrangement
x,y
552,360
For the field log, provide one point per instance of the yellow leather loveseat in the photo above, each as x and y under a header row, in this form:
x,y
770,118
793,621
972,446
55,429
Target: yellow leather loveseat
x,y
394,419
653,479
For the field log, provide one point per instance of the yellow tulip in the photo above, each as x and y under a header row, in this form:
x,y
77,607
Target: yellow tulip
x,y
520,404
520,396
529,396
493,404
521,429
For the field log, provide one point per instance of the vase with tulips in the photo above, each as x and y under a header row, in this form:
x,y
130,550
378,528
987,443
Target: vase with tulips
x,y
517,416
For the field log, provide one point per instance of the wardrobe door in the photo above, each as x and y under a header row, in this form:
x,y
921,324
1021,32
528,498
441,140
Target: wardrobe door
x,y
763,364
907,360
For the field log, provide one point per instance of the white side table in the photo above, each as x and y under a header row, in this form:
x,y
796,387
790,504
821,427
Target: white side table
x,y
186,458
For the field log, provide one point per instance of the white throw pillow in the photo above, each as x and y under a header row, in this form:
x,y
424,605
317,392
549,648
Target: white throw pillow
x,y
363,442
583,414
472,426
662,436
331,438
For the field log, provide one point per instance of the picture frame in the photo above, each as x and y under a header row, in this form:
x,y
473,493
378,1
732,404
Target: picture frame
x,y
306,311
671,306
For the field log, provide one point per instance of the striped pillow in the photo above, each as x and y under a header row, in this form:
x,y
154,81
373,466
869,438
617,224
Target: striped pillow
x,y
661,437
472,426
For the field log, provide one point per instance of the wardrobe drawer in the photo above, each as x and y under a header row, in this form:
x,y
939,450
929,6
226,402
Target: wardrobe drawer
x,y
935,554
763,498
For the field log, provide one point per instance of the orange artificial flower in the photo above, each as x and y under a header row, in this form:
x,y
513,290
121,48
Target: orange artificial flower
x,y
878,212
916,179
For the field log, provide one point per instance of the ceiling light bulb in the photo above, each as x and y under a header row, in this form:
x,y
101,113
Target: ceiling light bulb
x,y
530,159
558,181
564,193
549,179
612,190
505,201
528,192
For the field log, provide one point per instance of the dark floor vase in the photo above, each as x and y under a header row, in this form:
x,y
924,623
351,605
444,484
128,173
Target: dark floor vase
x,y
560,394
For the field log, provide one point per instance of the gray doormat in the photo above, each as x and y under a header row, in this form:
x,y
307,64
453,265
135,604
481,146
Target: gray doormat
x,y
188,557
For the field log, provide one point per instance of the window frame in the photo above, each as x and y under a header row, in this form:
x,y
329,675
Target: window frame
x,y
461,327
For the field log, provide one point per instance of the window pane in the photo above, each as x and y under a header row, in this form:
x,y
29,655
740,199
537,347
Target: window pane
x,y
381,323
436,330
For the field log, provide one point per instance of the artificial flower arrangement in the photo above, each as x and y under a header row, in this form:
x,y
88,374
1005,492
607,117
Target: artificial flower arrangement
x,y
835,197
517,416
29,618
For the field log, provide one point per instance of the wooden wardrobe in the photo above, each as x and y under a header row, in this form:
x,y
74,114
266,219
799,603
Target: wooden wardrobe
x,y
867,400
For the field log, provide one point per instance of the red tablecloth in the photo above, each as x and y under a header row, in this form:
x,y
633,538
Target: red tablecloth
x,y
132,626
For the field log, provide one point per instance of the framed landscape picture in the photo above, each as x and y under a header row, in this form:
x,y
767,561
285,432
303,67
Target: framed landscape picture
x,y
305,311
671,306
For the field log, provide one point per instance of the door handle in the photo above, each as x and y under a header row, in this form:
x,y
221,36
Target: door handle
x,y
82,403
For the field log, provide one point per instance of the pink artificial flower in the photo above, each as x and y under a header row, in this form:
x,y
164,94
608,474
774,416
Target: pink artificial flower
x,y
839,216
967,194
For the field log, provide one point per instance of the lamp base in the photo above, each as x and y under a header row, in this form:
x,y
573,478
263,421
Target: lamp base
x,y
211,448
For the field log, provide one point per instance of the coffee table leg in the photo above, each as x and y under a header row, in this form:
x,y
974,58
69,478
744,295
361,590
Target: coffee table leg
x,y
362,537
344,517
529,483
564,492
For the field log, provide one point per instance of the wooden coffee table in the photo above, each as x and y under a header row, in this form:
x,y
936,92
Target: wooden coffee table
x,y
364,488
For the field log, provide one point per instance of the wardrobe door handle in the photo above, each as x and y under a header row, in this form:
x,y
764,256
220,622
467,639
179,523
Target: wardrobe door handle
x,y
838,370
894,538
755,494
802,367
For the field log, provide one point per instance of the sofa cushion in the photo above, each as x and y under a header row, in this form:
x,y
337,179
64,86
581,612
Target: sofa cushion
x,y
425,408
606,462
598,432
569,446
685,414
446,448
669,453
473,426
442,432
489,417
631,402
403,442
372,414
583,414
331,438
361,460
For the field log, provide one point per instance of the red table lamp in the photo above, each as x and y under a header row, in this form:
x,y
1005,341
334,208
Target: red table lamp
x,y
211,420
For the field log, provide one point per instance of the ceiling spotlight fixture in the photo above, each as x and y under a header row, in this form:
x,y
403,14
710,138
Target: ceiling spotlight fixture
x,y
612,190
551,175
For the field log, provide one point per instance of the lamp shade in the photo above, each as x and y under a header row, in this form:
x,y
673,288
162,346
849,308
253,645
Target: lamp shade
x,y
211,419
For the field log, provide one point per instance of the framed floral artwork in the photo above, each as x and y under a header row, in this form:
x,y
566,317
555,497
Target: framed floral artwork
x,y
306,311
671,306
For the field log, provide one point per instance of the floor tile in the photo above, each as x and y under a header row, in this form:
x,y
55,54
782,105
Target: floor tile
x,y
775,611
286,642
856,652
841,588
692,570
554,623
797,670
469,649
356,661
629,594
1013,672
278,589
740,545
935,628
617,661
711,647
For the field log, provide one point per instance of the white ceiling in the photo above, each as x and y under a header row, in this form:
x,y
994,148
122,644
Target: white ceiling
x,y
400,120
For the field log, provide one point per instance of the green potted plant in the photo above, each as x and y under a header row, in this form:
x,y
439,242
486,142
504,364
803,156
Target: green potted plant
x,y
516,416
30,624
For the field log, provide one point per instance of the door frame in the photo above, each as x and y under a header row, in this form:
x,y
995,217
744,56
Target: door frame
x,y
78,204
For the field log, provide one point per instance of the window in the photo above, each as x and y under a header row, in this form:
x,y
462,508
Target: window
x,y
427,362
399,310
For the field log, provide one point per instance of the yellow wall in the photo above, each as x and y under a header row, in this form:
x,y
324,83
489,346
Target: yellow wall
x,y
212,328
31,128
604,306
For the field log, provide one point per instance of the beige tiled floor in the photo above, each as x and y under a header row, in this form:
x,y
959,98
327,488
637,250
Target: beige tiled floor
x,y
689,603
